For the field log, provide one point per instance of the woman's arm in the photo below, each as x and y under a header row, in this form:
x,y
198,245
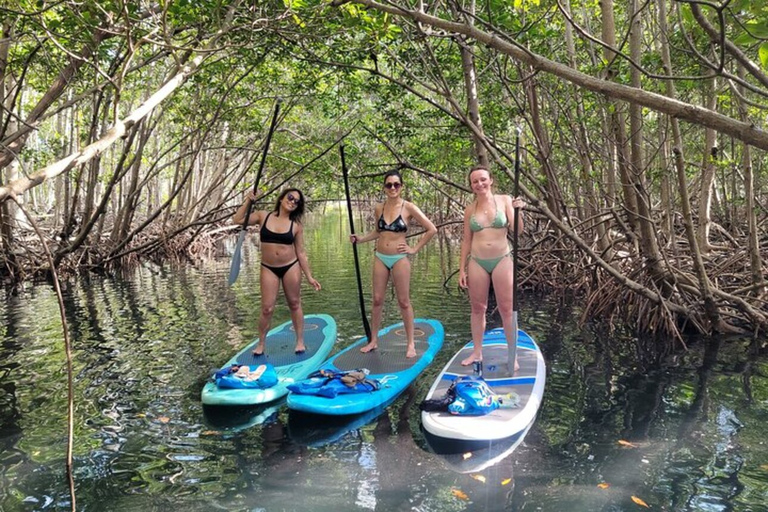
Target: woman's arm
x,y
301,255
373,235
256,215
510,204
466,244
416,213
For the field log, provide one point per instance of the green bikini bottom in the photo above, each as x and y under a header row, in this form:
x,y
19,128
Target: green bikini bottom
x,y
489,264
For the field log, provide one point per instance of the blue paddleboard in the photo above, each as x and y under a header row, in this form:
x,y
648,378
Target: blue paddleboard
x,y
387,364
319,337
503,423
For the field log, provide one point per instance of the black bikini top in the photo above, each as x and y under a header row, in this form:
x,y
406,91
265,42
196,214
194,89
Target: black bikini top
x,y
396,226
270,237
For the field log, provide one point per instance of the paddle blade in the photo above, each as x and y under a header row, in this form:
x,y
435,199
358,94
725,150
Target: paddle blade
x,y
234,269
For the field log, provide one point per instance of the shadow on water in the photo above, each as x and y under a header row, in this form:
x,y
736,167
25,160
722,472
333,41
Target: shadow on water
x,y
235,419
681,430
317,430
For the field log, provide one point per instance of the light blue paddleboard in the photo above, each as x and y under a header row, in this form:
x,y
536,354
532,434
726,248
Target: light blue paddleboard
x,y
503,423
387,364
319,337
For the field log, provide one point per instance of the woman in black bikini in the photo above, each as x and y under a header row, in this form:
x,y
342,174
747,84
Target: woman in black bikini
x,y
390,256
282,247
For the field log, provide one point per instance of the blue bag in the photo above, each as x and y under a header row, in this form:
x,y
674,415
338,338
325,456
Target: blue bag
x,y
473,397
329,383
241,377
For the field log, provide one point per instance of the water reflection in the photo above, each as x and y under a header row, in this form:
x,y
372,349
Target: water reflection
x,y
146,343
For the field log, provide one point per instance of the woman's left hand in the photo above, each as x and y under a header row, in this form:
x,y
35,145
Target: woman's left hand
x,y
404,248
518,202
314,282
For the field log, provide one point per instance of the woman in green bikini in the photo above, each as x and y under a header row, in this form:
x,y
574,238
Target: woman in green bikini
x,y
390,256
485,256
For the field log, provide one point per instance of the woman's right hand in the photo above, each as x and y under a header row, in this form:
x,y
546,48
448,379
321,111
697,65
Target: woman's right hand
x,y
462,279
250,196
354,239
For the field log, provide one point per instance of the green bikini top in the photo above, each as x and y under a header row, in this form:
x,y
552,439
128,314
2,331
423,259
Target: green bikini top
x,y
499,220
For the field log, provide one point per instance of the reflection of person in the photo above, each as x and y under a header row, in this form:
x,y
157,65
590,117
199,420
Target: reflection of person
x,y
391,252
282,247
485,257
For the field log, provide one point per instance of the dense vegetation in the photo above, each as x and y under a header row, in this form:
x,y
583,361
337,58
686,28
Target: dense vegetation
x,y
131,130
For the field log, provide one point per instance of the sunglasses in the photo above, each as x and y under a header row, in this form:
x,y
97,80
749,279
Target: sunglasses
x,y
393,185
294,199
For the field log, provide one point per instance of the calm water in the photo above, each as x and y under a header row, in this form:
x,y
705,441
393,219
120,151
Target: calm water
x,y
677,430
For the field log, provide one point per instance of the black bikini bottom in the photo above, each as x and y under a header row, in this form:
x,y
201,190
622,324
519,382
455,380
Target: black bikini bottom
x,y
280,271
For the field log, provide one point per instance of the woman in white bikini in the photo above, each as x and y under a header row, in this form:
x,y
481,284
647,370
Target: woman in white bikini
x,y
485,257
390,256
282,247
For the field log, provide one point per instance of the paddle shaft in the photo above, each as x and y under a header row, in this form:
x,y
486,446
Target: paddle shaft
x,y
234,269
263,161
366,326
512,354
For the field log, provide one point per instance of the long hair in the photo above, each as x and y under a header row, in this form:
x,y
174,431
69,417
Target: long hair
x,y
298,213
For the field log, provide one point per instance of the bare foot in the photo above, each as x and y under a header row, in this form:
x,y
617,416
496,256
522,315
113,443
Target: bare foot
x,y
259,350
369,347
517,365
300,349
471,359
411,351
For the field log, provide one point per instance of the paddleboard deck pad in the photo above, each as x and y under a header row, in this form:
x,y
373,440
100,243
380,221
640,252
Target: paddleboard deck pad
x,y
527,383
387,364
319,337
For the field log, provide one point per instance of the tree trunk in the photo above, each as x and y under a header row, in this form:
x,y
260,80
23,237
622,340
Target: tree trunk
x,y
708,172
705,287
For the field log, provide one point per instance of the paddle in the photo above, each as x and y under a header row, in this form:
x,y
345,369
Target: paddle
x,y
366,326
512,348
234,269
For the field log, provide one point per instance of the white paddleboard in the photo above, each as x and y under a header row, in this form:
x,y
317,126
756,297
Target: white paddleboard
x,y
503,423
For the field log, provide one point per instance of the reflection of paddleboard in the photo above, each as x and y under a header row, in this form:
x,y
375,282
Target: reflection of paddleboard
x,y
319,337
475,457
503,423
313,430
386,364
235,419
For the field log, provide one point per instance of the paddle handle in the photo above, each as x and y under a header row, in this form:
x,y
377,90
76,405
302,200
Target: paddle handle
x,y
366,325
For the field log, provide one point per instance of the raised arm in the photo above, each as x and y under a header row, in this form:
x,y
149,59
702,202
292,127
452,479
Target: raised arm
x,y
256,215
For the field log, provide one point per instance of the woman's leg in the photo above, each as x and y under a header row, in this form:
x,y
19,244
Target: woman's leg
x,y
292,290
270,285
479,283
503,287
380,279
401,275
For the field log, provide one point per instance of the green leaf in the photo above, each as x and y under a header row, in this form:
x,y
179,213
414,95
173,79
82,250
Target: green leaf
x,y
744,39
758,29
763,52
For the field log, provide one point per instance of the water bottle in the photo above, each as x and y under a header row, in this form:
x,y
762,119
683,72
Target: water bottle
x,y
477,366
